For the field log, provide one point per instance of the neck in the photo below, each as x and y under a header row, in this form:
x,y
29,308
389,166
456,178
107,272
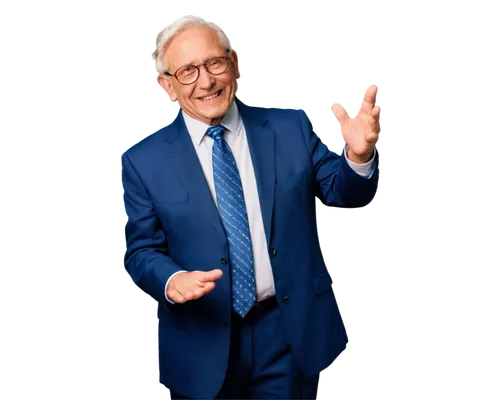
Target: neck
x,y
216,121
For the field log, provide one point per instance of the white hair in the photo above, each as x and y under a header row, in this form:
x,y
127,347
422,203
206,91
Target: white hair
x,y
167,34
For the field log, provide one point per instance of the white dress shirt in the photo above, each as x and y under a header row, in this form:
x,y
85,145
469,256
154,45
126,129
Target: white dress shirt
x,y
236,138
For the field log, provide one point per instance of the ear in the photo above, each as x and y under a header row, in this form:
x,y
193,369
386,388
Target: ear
x,y
233,58
166,83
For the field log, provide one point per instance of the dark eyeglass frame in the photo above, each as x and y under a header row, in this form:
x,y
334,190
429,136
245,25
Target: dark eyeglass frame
x,y
226,57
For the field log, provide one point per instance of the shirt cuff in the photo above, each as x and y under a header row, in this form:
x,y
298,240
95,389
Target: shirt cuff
x,y
365,170
166,285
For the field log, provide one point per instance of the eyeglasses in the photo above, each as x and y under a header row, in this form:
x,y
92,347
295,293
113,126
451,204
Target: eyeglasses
x,y
189,74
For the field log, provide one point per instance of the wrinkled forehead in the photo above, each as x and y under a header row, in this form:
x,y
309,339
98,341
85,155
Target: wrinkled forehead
x,y
193,46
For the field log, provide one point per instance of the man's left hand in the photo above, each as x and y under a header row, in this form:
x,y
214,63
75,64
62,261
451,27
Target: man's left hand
x,y
360,133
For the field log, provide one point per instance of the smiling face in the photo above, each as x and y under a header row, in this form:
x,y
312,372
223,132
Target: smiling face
x,y
209,98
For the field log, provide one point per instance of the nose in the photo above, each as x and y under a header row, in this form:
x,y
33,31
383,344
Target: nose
x,y
206,80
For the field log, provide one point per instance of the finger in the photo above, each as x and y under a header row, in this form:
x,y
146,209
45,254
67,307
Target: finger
x,y
211,275
376,119
189,295
193,292
209,286
340,113
176,297
369,100
376,113
199,292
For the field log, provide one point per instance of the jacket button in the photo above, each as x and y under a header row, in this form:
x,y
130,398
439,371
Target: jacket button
x,y
285,299
223,261
273,251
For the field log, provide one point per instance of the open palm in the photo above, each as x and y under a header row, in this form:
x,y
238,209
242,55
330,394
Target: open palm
x,y
360,133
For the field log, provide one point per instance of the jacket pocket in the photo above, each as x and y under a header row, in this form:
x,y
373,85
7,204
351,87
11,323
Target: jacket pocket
x,y
170,316
322,282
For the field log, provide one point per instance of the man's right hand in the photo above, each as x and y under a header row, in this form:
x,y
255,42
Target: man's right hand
x,y
192,285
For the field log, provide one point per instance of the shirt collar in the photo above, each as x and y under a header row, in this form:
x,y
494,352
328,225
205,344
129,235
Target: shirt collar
x,y
197,129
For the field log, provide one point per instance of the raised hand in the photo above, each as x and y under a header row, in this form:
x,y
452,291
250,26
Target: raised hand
x,y
192,285
360,133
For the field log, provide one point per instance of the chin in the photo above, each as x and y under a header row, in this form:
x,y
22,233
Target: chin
x,y
216,111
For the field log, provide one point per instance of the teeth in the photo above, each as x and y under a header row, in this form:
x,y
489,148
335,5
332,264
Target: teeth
x,y
210,97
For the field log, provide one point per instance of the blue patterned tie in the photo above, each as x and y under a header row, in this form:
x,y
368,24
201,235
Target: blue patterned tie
x,y
233,212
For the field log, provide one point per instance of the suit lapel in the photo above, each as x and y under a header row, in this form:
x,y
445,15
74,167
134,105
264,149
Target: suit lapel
x,y
261,145
183,158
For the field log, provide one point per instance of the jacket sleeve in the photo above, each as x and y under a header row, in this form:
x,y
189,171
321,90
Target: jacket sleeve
x,y
146,258
339,184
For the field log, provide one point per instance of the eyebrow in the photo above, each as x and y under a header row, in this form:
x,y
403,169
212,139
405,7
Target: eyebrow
x,y
192,63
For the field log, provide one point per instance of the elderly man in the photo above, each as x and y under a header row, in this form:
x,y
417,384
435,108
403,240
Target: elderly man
x,y
222,231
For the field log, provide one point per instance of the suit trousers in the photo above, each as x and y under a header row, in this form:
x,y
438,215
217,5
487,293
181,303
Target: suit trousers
x,y
260,361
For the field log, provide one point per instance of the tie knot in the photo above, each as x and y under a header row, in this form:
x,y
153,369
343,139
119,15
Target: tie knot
x,y
215,132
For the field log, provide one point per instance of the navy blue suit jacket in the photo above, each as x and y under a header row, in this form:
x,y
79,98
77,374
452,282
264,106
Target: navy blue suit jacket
x,y
173,225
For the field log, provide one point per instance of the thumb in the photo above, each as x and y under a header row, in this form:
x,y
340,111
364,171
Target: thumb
x,y
340,113
211,276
